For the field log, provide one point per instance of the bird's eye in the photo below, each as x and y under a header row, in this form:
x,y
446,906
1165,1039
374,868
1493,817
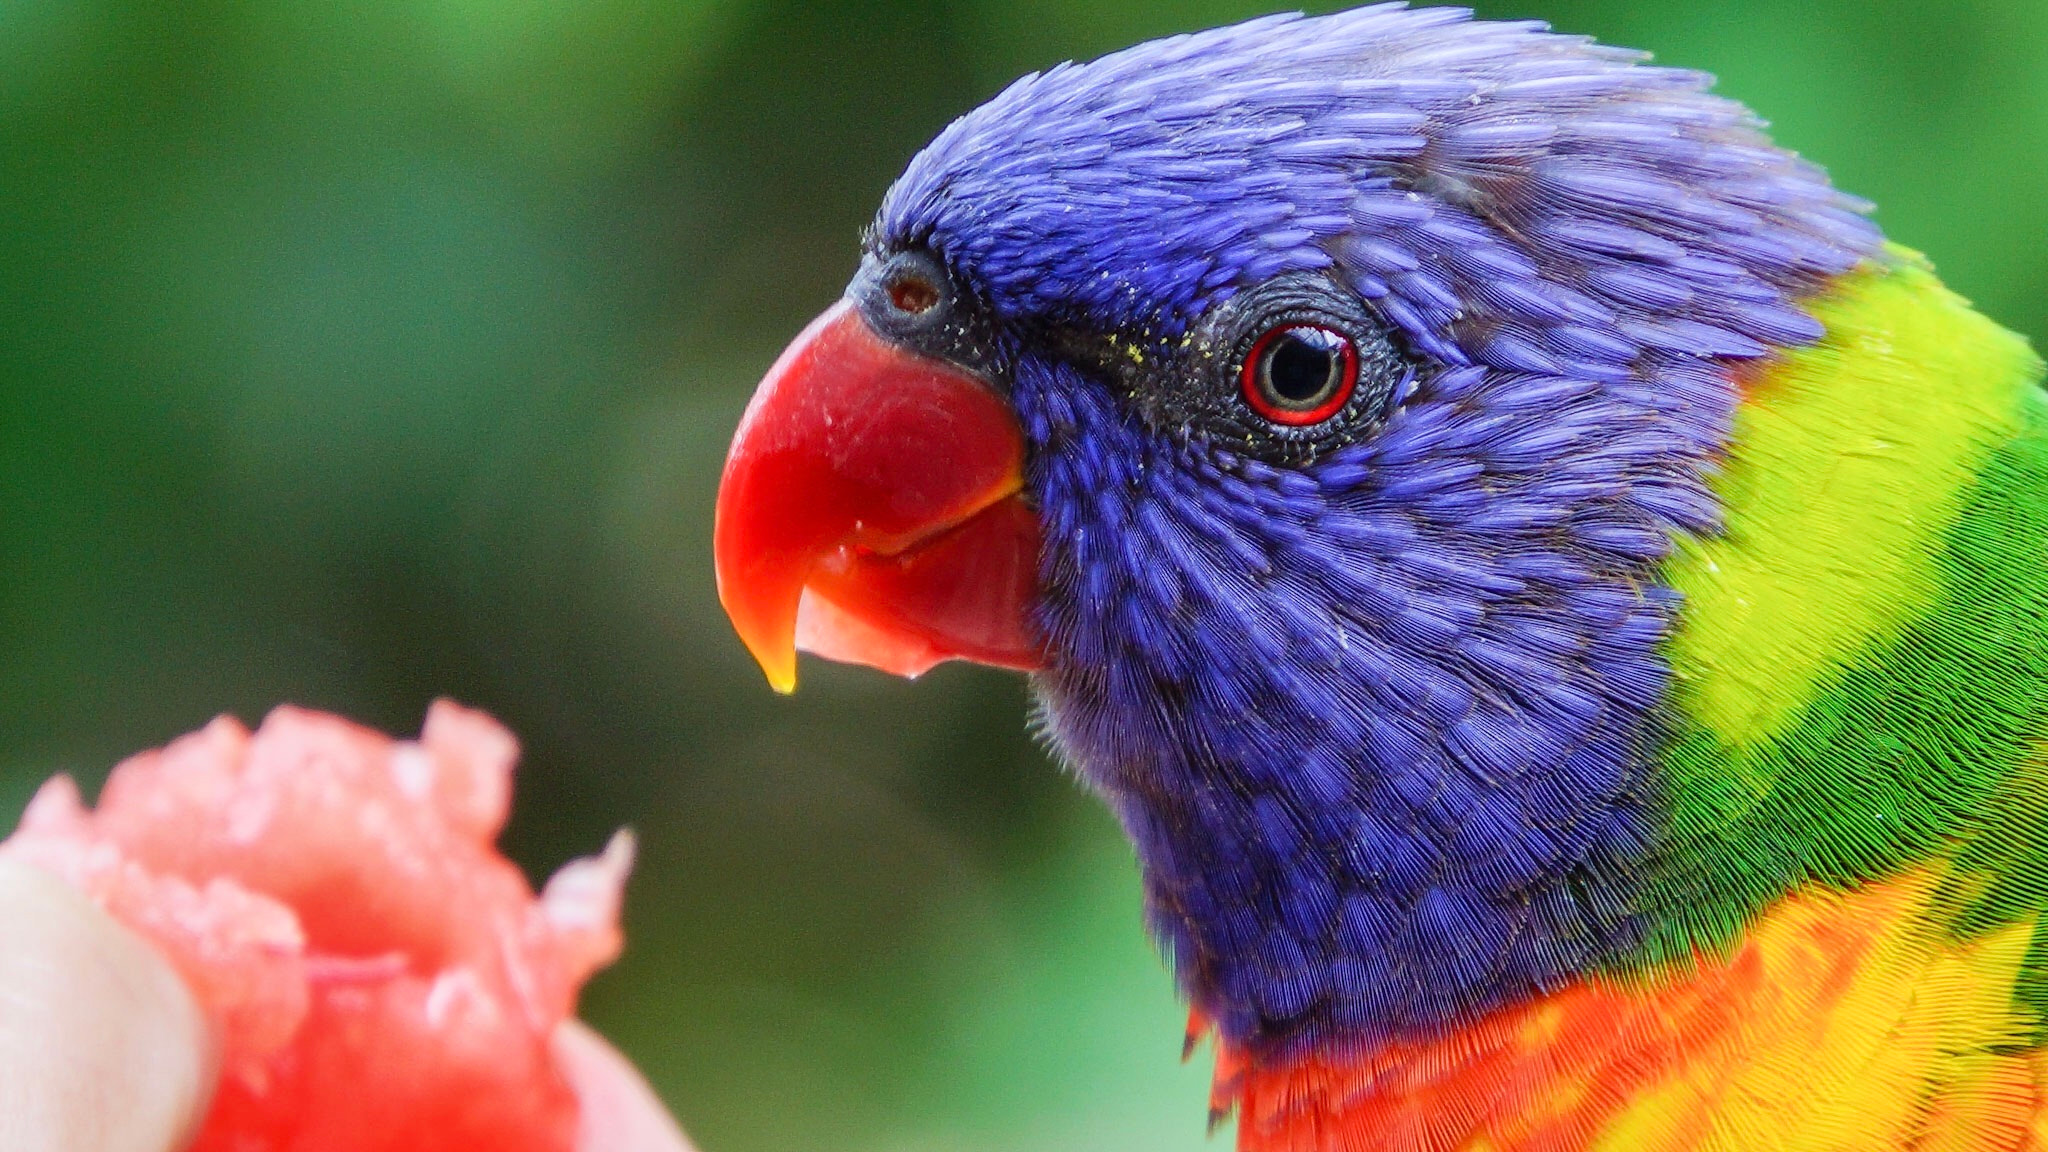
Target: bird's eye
x,y
912,294
1300,374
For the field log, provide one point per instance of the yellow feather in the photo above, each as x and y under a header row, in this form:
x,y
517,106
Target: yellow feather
x,y
1850,457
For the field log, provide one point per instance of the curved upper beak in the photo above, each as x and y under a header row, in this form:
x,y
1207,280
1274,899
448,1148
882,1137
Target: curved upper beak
x,y
871,511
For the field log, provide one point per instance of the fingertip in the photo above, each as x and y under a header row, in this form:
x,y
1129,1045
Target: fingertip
x,y
619,1111
101,1046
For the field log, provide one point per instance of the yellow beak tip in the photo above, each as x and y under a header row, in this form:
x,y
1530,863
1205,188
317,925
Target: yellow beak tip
x,y
781,674
774,654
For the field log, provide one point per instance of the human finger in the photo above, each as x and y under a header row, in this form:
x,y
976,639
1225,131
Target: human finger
x,y
101,1046
620,1113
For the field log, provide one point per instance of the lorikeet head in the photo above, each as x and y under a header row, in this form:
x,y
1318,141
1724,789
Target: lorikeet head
x,y
1308,404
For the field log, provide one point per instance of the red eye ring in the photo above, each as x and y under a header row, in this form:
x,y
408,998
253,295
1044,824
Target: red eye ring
x,y
1300,374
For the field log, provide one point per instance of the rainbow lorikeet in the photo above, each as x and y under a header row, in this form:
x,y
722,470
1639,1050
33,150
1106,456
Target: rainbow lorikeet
x,y
1559,605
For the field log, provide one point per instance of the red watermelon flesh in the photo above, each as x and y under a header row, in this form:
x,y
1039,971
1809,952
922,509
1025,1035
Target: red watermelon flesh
x,y
380,977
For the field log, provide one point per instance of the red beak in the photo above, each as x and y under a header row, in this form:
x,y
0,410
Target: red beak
x,y
870,512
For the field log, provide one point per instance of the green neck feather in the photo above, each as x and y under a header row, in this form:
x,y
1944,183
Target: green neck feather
x,y
1860,676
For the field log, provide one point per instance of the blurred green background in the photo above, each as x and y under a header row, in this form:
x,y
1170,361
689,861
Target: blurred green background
x,y
354,352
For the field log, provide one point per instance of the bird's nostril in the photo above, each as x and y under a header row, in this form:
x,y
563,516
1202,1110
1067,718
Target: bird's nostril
x,y
913,295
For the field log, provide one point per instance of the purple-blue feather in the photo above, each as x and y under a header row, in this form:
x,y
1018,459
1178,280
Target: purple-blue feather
x,y
1380,724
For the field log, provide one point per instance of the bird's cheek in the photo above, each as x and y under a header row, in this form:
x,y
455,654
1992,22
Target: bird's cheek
x,y
870,511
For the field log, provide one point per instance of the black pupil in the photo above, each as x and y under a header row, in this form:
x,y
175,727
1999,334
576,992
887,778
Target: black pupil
x,y
1302,366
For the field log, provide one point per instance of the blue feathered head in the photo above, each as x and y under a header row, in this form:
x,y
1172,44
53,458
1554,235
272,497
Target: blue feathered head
x,y
1308,403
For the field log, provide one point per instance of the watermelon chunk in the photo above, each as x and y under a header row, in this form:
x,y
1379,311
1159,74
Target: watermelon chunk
x,y
381,979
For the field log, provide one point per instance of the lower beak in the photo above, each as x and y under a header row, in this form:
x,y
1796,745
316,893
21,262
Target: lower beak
x,y
871,512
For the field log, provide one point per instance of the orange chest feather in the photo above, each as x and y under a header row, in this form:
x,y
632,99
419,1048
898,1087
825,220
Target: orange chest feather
x,y
1841,1021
